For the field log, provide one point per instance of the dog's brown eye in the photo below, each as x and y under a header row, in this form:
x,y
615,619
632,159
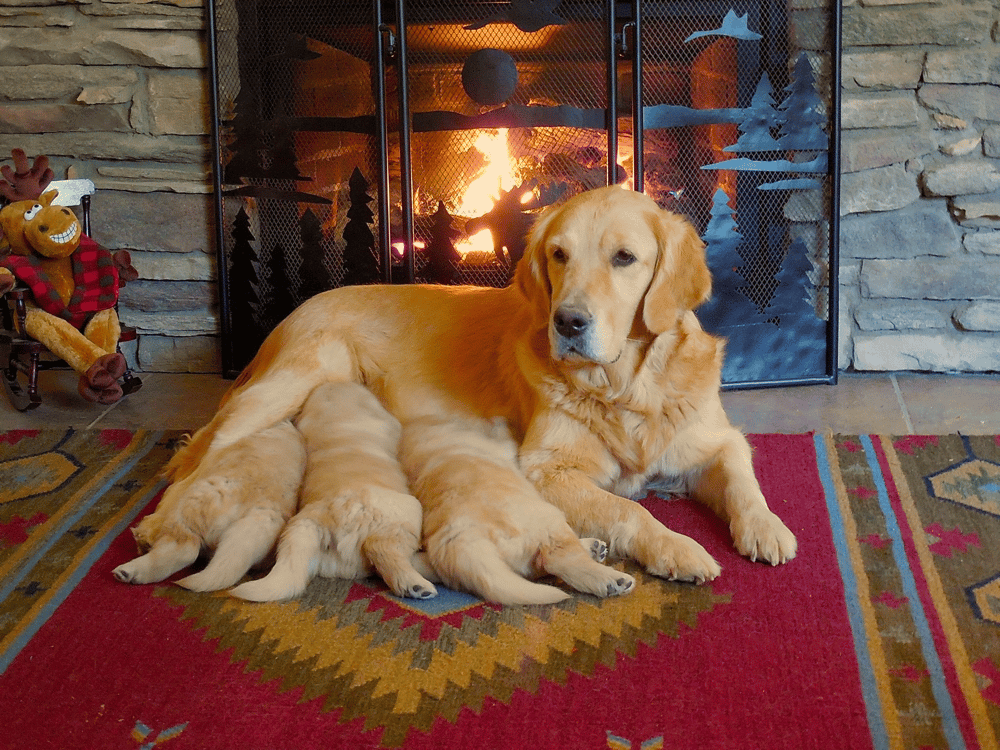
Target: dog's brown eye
x,y
559,255
622,258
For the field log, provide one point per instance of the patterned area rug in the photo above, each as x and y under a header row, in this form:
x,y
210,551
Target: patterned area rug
x,y
884,632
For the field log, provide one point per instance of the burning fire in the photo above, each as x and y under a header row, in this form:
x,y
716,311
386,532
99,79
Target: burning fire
x,y
482,194
484,191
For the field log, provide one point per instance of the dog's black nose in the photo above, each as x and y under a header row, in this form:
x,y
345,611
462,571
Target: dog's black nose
x,y
570,323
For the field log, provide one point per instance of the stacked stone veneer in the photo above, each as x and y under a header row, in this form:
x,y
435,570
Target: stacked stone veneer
x,y
116,91
920,177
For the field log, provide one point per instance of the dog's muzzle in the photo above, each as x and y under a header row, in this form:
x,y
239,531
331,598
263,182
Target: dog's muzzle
x,y
572,328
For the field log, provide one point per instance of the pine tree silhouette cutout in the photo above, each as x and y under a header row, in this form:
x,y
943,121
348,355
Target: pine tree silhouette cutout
x,y
802,127
282,300
281,156
315,276
361,264
728,306
442,257
792,296
247,331
246,145
761,118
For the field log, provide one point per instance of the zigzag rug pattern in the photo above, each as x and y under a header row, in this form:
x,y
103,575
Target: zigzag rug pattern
x,y
884,632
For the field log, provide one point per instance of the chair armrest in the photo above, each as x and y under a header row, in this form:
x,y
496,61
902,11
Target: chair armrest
x,y
19,293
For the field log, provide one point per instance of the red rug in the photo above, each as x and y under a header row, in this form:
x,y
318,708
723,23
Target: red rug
x,y
884,632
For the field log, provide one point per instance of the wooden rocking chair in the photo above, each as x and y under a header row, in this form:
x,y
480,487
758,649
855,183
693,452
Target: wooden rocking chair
x,y
22,357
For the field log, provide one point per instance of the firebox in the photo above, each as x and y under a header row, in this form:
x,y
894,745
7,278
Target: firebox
x,y
415,141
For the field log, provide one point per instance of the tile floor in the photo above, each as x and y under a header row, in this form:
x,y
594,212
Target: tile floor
x,y
898,403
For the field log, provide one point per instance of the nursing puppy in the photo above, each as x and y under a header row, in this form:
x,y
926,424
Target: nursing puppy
x,y
235,503
486,529
355,513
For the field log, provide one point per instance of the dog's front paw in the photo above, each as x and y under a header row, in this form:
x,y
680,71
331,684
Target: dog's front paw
x,y
679,558
761,535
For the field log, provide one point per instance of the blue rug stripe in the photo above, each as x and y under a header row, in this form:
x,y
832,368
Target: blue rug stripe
x,y
69,521
939,686
98,547
869,686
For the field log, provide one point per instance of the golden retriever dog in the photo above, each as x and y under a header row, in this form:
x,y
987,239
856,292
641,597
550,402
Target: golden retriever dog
x,y
355,513
593,355
235,503
486,529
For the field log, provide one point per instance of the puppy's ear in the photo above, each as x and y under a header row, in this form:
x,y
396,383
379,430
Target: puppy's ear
x,y
531,276
681,280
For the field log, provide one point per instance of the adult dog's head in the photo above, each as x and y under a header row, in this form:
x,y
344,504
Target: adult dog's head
x,y
609,265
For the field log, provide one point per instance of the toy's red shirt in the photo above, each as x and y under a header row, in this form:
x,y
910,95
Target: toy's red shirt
x,y
94,275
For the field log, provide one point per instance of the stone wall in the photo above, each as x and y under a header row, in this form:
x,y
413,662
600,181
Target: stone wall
x,y
117,92
920,171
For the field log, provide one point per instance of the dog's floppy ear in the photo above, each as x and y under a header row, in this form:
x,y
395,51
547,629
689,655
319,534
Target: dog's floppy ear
x,y
681,280
531,276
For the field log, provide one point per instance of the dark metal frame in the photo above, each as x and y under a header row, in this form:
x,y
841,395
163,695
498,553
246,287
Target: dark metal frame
x,y
626,42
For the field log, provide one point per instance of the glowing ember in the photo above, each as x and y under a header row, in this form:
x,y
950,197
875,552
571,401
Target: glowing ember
x,y
399,248
625,162
480,242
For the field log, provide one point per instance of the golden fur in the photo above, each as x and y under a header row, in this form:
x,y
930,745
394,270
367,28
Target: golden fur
x,y
235,503
355,515
486,529
633,398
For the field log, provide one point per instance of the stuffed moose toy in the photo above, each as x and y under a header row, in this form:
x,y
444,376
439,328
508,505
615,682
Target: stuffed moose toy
x,y
74,281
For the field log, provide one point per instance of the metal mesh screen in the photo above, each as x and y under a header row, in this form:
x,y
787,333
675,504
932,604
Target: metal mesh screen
x,y
330,177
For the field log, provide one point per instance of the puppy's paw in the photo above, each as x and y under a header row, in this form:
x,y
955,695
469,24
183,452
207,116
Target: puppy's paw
x,y
124,574
622,584
596,548
410,584
421,591
762,536
133,572
679,558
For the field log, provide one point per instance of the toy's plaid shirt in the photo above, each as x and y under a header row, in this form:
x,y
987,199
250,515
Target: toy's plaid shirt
x,y
94,275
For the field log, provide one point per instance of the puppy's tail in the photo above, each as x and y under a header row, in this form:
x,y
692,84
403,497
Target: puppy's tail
x,y
485,573
298,561
190,454
243,545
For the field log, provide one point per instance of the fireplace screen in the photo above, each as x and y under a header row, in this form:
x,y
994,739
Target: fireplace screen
x,y
416,140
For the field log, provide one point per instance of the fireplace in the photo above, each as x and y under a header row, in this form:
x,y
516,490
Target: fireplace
x,y
416,140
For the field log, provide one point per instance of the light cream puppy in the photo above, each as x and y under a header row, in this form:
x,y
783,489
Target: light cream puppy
x,y
355,515
486,529
235,503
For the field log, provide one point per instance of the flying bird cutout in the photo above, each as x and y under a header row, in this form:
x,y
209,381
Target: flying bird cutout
x,y
528,15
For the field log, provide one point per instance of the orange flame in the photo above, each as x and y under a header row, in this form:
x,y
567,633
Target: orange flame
x,y
483,192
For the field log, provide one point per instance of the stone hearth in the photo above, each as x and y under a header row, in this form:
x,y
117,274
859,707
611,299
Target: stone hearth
x,y
117,91
920,187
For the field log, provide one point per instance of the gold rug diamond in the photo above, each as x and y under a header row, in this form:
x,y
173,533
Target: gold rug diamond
x,y
402,664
